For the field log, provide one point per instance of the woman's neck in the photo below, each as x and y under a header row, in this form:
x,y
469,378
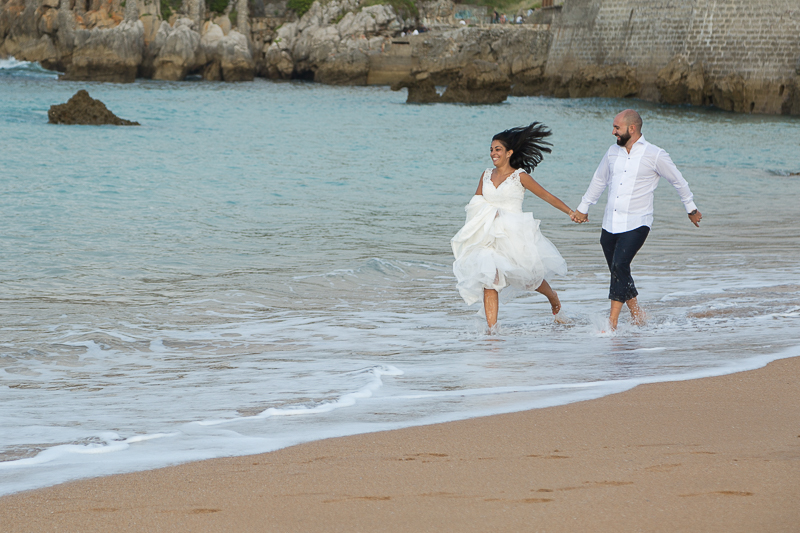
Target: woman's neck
x,y
505,170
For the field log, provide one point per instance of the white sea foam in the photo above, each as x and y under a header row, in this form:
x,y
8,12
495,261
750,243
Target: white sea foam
x,y
10,63
14,67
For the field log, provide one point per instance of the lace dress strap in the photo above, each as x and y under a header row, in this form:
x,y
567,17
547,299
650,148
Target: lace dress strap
x,y
487,174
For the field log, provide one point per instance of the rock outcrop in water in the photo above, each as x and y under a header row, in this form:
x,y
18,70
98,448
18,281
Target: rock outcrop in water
x,y
83,109
732,54
421,89
480,82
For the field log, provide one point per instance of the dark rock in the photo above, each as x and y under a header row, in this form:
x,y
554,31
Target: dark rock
x,y
603,81
212,71
481,82
421,89
83,109
681,83
350,67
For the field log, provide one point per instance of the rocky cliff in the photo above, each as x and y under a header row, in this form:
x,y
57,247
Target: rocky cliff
x,y
119,40
732,54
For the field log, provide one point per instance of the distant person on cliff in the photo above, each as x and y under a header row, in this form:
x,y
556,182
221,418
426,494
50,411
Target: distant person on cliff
x,y
630,170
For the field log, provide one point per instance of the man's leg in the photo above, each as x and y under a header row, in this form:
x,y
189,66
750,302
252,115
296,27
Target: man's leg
x,y
620,249
609,243
613,315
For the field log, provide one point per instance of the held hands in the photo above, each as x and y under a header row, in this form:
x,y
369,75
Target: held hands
x,y
695,217
578,217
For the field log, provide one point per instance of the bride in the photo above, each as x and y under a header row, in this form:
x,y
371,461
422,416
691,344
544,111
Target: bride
x,y
499,245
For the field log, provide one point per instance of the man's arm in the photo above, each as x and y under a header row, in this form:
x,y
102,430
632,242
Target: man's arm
x,y
596,188
667,170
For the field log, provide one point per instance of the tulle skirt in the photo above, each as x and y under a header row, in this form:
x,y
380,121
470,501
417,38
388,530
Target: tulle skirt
x,y
497,249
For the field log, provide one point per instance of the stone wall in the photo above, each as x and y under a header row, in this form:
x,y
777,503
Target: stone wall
x,y
739,55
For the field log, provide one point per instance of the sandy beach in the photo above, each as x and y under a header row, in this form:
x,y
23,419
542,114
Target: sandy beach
x,y
714,454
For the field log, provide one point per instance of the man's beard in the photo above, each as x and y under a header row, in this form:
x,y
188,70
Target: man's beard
x,y
623,139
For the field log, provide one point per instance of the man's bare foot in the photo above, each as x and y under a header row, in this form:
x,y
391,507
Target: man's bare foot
x,y
638,316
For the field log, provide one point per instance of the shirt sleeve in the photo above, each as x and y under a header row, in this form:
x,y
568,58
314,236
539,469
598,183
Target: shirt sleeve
x,y
667,170
596,187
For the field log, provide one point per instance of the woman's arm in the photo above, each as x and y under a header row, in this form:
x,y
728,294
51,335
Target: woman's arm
x,y
529,183
479,192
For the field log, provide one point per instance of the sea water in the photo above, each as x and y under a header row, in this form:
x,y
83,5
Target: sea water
x,y
262,264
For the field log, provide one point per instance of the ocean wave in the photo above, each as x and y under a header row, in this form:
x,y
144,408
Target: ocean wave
x,y
783,173
14,67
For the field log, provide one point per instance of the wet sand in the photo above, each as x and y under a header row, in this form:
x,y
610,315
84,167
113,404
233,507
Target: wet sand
x,y
714,454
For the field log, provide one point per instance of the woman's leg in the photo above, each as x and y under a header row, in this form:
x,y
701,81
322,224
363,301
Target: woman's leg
x,y
551,295
491,303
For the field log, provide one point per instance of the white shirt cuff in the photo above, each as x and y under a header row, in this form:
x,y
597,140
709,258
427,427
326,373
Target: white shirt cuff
x,y
690,207
584,208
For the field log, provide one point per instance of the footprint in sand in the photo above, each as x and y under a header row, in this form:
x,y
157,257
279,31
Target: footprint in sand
x,y
721,492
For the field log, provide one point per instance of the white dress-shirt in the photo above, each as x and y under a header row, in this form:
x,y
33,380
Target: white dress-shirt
x,y
631,179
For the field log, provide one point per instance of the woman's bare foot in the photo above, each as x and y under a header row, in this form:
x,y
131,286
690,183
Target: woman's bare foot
x,y
555,303
552,297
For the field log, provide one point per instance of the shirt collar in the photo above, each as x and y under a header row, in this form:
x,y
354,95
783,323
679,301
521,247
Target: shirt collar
x,y
641,140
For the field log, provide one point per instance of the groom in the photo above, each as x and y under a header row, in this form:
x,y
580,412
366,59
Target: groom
x,y
630,170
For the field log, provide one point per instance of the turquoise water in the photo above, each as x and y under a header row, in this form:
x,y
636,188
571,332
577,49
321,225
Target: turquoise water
x,y
261,264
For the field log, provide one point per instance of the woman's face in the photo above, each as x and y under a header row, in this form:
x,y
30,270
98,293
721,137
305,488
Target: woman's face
x,y
500,155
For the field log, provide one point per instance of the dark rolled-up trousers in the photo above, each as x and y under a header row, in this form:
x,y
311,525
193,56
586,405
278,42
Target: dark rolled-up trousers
x,y
620,249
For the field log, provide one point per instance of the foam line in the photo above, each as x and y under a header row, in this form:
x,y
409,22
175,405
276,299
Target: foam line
x,y
55,452
347,400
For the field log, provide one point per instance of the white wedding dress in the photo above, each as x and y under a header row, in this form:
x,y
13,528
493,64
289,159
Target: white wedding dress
x,y
499,245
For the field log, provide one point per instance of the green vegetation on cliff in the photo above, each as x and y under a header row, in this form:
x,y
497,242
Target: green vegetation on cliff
x,y
299,6
168,7
218,6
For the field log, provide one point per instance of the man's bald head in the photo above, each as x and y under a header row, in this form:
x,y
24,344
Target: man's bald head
x,y
630,117
627,128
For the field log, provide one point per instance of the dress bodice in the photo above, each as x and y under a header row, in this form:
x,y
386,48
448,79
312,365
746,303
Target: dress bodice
x,y
508,195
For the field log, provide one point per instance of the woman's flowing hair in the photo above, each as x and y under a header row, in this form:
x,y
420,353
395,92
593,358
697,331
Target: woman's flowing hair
x,y
528,144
